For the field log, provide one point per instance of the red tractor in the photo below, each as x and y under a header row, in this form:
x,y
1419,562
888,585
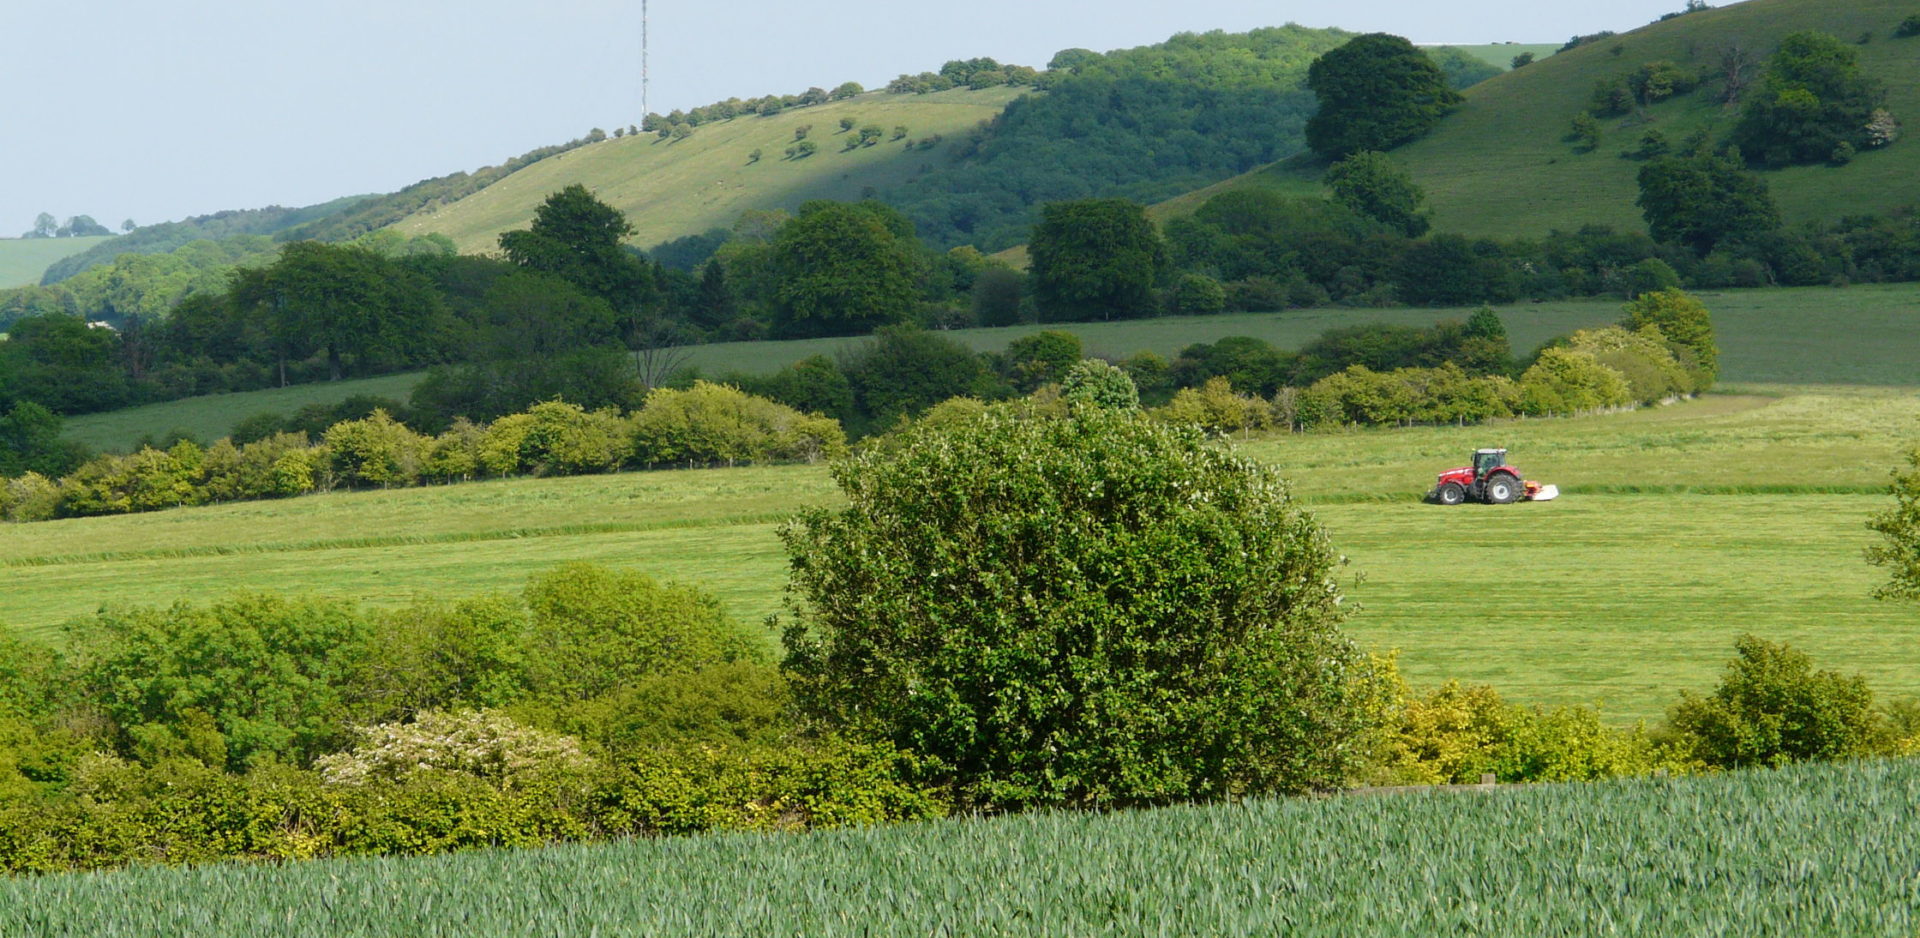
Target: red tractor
x,y
1488,480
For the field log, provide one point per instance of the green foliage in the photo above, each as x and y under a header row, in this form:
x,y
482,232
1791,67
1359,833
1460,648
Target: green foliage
x,y
737,704
844,269
343,301
1095,383
30,442
1772,708
1585,132
1216,408
1908,27
484,744
1567,381
1094,259
1655,82
1814,98
710,423
246,681
377,451
1376,92
1096,610
1684,321
1405,396
1370,183
1198,295
1899,529
1703,201
599,629
556,438
576,237
902,372
1041,358
997,295
1642,358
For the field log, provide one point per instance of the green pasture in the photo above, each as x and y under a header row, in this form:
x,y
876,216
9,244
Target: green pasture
x,y
1681,527
1812,851
24,260
1863,335
670,189
1501,166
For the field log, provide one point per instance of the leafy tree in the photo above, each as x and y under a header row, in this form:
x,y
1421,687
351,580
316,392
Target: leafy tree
x,y
843,269
1376,92
753,156
577,237
1684,321
997,293
1585,132
1072,60
871,134
1522,60
847,123
82,226
30,442
44,225
1095,259
1908,27
846,90
1099,610
600,629
1372,184
1814,97
1899,527
1702,201
1096,383
128,225
344,301
1772,708
1041,358
904,371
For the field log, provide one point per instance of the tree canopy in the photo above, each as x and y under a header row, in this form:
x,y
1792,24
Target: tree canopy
x,y
1701,201
1376,92
1372,184
1095,259
1814,98
844,269
577,237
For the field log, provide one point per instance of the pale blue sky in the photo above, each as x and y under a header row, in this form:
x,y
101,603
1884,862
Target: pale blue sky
x,y
158,109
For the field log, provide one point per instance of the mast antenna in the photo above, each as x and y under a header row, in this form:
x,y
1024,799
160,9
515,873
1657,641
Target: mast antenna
x,y
644,109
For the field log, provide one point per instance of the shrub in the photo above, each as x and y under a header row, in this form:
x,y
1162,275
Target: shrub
x,y
375,451
30,497
1642,358
240,682
1908,27
599,629
741,703
1772,708
471,654
1095,610
1041,358
556,438
1566,381
1198,294
483,743
1685,322
713,423
1899,529
269,467
1216,408
1095,383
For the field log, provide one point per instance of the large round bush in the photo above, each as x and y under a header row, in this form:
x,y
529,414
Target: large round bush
x,y
1094,610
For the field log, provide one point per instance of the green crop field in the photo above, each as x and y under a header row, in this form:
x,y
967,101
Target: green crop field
x,y
1500,167
23,260
1682,527
1810,851
1862,335
672,189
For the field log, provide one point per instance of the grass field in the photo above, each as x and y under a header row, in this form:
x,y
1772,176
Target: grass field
x,y
1863,335
1681,528
23,260
1500,167
672,189
1809,852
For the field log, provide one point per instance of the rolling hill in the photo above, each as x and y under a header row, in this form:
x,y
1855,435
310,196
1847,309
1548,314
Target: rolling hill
x,y
24,260
670,189
1501,167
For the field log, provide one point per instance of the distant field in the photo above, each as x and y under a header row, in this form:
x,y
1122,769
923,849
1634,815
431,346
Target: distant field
x,y
672,189
211,417
1500,165
1864,335
23,260
1681,528
1814,851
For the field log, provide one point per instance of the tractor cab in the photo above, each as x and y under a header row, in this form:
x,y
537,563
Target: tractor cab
x,y
1487,460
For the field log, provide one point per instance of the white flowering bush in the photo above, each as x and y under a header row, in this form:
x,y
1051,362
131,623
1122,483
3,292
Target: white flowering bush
x,y
484,743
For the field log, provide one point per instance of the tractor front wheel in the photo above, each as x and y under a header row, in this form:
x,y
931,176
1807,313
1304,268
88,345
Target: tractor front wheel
x,y
1502,489
1450,494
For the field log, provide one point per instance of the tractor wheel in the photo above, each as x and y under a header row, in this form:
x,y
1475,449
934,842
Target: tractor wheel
x,y
1502,489
1450,494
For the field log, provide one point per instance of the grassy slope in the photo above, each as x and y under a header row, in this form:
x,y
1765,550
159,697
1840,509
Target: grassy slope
x,y
1863,335
1499,166
1682,527
23,260
1501,53
705,181
1806,851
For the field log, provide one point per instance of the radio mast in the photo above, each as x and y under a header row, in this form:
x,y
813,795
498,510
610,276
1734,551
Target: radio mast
x,y
644,111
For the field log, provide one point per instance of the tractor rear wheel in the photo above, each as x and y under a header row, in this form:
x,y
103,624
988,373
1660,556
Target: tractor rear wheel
x,y
1502,489
1450,494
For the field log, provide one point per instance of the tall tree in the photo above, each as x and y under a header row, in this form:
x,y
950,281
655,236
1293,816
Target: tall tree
x,y
1095,259
577,237
1376,92
344,301
843,269
1813,99
1372,184
1704,200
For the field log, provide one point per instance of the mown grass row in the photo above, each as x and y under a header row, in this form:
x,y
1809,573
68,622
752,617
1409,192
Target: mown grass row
x,y
1814,850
